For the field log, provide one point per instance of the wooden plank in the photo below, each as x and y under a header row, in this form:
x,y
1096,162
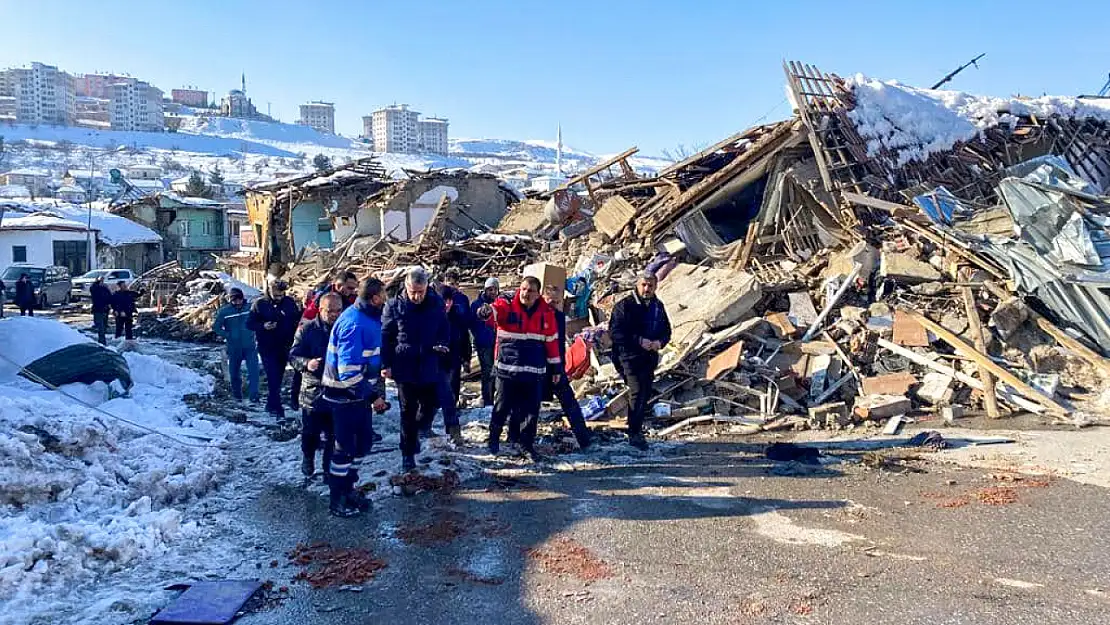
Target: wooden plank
x,y
613,216
749,245
974,325
985,362
600,167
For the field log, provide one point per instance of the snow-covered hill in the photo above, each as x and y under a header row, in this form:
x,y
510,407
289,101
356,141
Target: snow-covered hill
x,y
248,151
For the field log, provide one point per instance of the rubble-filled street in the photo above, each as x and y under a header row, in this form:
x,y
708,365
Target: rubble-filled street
x,y
847,366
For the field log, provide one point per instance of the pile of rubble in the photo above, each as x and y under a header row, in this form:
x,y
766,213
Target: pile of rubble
x,y
183,303
833,270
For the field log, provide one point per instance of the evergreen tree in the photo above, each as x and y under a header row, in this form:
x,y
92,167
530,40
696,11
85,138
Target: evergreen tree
x,y
196,186
321,162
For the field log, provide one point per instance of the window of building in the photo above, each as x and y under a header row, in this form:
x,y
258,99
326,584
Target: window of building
x,y
19,253
184,227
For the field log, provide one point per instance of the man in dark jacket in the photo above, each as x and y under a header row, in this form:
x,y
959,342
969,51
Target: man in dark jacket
x,y
124,308
526,353
231,324
3,297
485,337
25,296
310,347
415,338
458,317
101,297
553,295
274,319
345,285
640,328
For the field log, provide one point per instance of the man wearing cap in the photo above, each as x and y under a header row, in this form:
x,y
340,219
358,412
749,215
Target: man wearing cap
x,y
485,337
352,385
415,338
458,317
274,318
231,324
640,328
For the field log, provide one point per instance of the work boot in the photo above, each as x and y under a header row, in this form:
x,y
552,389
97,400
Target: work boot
x,y
408,463
358,500
340,506
534,455
308,465
455,432
638,441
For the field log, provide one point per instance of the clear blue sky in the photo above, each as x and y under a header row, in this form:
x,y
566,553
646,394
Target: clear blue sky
x,y
615,73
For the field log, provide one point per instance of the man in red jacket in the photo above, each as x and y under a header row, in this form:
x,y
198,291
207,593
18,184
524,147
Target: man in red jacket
x,y
527,352
345,285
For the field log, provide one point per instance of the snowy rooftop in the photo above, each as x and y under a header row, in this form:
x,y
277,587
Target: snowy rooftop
x,y
39,221
29,171
14,190
192,201
911,123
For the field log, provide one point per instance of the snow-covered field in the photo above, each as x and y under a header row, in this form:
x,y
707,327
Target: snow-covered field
x,y
98,515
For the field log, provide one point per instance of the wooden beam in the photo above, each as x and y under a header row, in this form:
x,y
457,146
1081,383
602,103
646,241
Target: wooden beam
x,y
974,325
599,168
985,362
1092,357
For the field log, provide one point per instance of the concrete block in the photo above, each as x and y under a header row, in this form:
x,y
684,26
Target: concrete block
x,y
854,313
879,407
908,332
906,269
1009,316
780,322
890,384
705,298
833,414
841,264
935,389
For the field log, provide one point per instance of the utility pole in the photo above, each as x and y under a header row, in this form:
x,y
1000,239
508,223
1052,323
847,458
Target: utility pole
x,y
959,69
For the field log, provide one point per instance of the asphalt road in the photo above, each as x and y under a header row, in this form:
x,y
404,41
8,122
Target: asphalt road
x,y
715,534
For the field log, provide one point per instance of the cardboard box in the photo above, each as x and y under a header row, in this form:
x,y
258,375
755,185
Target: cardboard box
x,y
548,274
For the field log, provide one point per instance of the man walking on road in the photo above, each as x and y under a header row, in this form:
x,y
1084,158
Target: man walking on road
x,y
553,295
231,324
310,347
415,337
640,328
526,353
345,286
101,297
458,318
352,385
485,337
123,305
274,318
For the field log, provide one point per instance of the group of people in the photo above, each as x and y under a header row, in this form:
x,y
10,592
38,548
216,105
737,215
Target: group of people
x,y
121,304
353,336
24,296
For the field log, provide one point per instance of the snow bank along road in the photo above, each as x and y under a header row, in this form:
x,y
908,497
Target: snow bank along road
x,y
97,516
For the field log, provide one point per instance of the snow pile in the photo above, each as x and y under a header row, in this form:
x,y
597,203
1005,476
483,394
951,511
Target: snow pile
x,y
84,494
26,339
910,124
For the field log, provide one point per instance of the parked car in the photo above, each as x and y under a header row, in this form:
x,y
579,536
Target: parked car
x,y
111,278
52,284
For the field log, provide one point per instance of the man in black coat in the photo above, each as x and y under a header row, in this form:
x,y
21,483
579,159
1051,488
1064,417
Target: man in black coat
x,y
553,295
123,305
310,347
3,297
101,297
25,296
640,328
415,338
274,319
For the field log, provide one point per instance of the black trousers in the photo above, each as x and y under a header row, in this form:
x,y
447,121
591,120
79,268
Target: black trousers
x,y
485,361
516,400
125,323
565,394
418,406
352,424
295,391
454,379
639,381
317,432
273,364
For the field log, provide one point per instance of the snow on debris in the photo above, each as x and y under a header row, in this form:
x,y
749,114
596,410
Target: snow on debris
x,y
85,495
209,283
913,123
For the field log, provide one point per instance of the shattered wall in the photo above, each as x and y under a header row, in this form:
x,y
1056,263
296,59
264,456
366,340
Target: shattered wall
x,y
476,201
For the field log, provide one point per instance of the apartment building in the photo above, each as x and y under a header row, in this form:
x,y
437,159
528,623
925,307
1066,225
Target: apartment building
x,y
44,95
96,85
319,115
136,105
394,129
7,83
431,135
93,109
189,97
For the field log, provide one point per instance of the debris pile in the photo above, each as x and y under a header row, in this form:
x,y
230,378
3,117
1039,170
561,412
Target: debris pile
x,y
325,566
185,303
563,556
832,270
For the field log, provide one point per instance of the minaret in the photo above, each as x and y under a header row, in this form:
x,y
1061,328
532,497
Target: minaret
x,y
244,83
559,150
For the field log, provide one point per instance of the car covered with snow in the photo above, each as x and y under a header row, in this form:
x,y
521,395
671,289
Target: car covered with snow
x,y
52,284
111,278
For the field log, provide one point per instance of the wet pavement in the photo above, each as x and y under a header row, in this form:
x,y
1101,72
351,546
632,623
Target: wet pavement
x,y
713,533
